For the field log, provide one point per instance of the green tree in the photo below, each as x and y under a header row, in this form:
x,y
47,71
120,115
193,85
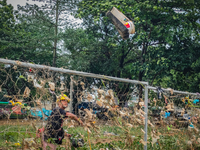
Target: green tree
x,y
161,27
9,32
45,24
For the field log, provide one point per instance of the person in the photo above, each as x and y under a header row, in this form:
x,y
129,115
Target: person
x,y
53,131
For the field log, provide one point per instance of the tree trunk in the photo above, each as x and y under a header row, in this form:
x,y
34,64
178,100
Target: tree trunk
x,y
56,33
55,48
140,86
141,73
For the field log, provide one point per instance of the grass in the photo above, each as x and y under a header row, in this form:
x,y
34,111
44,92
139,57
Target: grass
x,y
169,139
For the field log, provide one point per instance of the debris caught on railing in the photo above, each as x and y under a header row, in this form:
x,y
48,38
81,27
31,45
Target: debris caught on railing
x,y
110,110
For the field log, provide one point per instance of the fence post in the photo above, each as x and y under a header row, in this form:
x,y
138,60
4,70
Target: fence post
x,y
146,115
71,94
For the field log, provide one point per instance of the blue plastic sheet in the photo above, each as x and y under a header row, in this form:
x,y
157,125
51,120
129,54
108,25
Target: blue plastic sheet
x,y
195,101
38,113
46,112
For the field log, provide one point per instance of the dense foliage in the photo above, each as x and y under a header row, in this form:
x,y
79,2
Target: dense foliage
x,y
163,51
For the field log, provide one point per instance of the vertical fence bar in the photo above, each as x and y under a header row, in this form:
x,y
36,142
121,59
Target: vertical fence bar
x,y
71,94
146,115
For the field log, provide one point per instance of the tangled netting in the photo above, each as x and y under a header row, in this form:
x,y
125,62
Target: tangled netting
x,y
112,112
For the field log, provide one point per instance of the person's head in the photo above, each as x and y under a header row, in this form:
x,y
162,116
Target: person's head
x,y
63,101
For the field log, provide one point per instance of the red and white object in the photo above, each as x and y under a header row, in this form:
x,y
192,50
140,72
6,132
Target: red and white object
x,y
123,24
130,26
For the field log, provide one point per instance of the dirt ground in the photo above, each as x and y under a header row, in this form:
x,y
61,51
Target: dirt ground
x,y
18,122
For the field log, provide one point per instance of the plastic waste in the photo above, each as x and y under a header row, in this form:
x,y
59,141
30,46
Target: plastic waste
x,y
196,101
38,113
167,114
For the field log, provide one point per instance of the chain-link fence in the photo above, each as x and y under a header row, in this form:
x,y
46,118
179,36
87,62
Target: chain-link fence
x,y
104,104
113,115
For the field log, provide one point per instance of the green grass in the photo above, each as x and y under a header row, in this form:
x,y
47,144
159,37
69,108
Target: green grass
x,y
9,135
168,140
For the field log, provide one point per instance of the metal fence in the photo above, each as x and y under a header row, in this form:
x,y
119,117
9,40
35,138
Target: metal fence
x,y
39,86
93,97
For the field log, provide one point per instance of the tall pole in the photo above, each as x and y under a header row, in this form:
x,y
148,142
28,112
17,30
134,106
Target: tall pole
x,y
71,94
56,33
146,115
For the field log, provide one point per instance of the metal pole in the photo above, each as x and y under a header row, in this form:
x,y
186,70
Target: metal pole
x,y
146,115
71,94
72,72
174,91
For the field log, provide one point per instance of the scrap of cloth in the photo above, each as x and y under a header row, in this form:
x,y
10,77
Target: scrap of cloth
x,y
17,110
53,129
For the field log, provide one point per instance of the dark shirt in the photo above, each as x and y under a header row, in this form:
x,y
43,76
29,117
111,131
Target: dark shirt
x,y
53,128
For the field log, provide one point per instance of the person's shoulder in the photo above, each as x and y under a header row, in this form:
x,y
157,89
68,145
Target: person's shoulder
x,y
62,111
59,110
56,109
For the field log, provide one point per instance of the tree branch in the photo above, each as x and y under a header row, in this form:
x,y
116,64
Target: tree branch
x,y
131,60
157,43
156,76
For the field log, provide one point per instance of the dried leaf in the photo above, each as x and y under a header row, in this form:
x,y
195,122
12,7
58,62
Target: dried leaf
x,y
154,137
143,142
141,104
71,126
62,86
154,140
138,121
196,130
183,111
141,111
89,113
26,92
20,100
198,140
178,143
171,91
143,131
89,97
35,84
42,82
189,142
122,113
109,134
87,129
82,85
129,125
39,102
30,77
29,143
14,67
190,128
155,101
99,103
52,86
18,62
100,93
150,123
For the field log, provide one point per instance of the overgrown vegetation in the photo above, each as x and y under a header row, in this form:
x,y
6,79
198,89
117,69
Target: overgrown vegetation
x,y
116,140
